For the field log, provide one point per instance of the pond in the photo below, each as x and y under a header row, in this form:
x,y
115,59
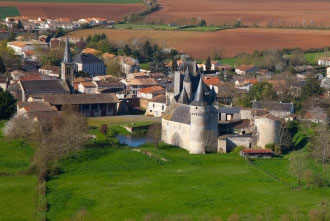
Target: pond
x,y
133,140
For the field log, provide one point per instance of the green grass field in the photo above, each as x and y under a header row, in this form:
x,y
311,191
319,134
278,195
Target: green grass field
x,y
85,1
8,12
17,191
116,183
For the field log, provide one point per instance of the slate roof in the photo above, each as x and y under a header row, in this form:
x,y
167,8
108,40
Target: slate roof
x,y
87,59
178,113
45,87
273,106
269,116
159,99
229,110
81,99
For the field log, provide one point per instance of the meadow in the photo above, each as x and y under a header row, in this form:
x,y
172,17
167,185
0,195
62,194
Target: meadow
x,y
8,12
18,195
123,184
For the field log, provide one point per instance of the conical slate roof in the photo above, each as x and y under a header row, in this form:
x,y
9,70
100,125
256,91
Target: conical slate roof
x,y
183,98
199,99
67,53
213,96
187,76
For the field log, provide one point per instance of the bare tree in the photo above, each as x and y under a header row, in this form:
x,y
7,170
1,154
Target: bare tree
x,y
19,126
321,146
297,166
155,133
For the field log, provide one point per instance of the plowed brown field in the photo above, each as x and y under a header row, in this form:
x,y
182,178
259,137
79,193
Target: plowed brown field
x,y
202,44
251,12
74,10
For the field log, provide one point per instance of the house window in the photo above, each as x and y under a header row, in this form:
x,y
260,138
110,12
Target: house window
x,y
153,105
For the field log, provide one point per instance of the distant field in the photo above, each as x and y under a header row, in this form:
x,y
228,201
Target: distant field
x,y
250,12
18,194
76,9
231,41
121,184
83,1
8,11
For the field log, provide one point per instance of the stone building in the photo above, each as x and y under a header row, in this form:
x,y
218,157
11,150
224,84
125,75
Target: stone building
x,y
191,119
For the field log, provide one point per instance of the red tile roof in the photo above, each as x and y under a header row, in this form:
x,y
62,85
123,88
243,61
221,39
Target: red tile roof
x,y
151,89
257,151
211,80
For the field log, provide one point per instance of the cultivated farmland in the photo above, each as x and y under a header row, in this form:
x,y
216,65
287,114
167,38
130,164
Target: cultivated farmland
x,y
74,10
231,42
250,12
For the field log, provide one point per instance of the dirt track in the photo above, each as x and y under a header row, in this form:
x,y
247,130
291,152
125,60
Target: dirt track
x,y
74,10
202,44
251,12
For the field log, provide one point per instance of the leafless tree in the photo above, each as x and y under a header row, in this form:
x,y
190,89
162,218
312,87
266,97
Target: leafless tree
x,y
155,133
321,146
20,126
297,165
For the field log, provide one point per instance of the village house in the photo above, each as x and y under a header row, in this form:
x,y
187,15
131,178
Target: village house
x,y
29,88
34,106
245,84
316,115
135,85
110,86
128,64
20,47
50,70
246,69
324,61
213,82
150,92
257,153
87,87
89,64
278,109
156,106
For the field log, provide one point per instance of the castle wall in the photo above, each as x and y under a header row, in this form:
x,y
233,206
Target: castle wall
x,y
177,134
268,131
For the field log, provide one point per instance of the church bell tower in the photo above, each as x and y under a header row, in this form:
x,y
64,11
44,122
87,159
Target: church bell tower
x,y
67,67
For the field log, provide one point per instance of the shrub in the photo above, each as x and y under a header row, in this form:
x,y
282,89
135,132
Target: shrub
x,y
238,149
271,146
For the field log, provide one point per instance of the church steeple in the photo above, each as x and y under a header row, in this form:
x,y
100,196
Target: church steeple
x,y
67,67
67,53
183,98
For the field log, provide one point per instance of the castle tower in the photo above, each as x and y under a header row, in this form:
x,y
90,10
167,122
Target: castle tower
x,y
187,83
204,124
67,66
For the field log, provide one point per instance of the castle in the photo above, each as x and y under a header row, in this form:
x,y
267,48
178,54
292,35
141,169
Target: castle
x,y
191,119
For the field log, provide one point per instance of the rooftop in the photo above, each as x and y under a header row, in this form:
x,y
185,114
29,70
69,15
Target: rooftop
x,y
81,99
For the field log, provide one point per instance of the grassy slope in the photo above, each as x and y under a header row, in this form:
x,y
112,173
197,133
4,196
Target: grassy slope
x,y
8,11
84,1
17,192
116,184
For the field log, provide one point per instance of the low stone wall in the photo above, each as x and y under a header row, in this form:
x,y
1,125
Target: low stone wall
x,y
135,128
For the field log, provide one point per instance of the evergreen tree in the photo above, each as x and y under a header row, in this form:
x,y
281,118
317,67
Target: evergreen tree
x,y
208,64
127,50
147,50
2,66
7,105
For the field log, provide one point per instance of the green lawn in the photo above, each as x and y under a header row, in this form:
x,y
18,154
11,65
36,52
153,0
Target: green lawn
x,y
116,183
8,12
17,191
84,1
228,61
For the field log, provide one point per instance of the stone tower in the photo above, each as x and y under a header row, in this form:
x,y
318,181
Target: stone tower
x,y
187,83
204,123
67,67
